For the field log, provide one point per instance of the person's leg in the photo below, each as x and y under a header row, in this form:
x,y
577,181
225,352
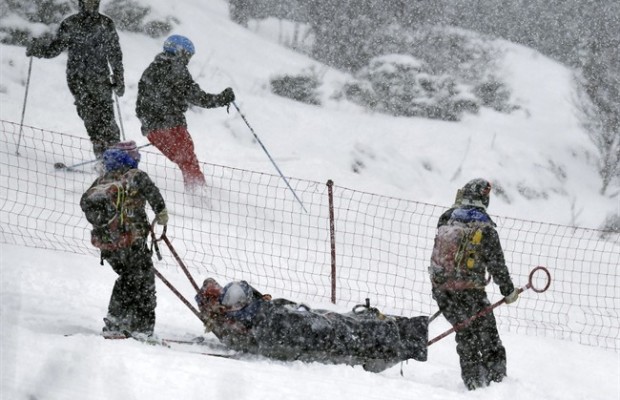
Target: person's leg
x,y
457,306
142,296
490,358
119,318
470,358
493,352
95,107
177,144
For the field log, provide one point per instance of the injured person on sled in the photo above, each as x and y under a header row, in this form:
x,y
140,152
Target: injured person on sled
x,y
248,321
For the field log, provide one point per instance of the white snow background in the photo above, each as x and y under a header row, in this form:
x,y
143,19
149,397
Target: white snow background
x,y
46,294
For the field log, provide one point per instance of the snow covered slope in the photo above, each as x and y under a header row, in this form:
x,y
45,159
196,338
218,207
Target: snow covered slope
x,y
45,295
539,155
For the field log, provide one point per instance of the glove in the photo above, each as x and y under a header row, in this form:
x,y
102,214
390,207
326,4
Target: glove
x,y
512,297
38,46
33,49
162,217
118,85
226,97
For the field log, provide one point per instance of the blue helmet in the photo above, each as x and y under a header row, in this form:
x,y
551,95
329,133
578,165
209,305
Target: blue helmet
x,y
177,44
117,159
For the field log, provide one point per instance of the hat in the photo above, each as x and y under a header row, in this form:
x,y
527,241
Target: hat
x,y
178,45
236,295
476,193
123,155
130,148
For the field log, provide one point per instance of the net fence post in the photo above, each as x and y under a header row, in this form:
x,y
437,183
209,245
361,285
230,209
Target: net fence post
x,y
332,237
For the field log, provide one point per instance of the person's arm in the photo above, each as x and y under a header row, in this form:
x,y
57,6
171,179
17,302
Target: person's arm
x,y
83,198
151,193
494,260
46,47
115,59
200,98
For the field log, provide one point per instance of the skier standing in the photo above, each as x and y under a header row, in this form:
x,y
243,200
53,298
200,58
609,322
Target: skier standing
x,y
93,48
165,92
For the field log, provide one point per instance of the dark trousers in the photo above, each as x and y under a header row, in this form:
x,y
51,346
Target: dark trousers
x,y
482,355
133,300
95,107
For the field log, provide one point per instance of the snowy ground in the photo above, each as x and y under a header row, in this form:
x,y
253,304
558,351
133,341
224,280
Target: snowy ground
x,y
45,295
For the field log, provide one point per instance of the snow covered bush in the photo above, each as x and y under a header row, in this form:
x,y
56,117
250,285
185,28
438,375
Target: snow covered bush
x,y
611,225
430,72
300,87
494,94
19,19
402,85
129,15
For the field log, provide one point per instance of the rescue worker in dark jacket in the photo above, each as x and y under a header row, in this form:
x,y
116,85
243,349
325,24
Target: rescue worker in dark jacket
x,y
93,48
466,247
131,311
165,92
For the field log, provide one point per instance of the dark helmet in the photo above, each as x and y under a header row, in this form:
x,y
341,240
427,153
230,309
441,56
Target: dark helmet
x,y
476,192
179,45
91,6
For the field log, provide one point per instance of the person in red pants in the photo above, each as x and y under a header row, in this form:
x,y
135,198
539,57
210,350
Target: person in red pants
x,y
165,92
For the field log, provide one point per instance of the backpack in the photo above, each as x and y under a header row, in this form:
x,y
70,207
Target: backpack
x,y
108,207
453,261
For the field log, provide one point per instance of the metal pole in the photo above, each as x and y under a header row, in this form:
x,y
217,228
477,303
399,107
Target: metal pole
x,y
60,165
437,314
268,155
163,237
176,257
179,295
529,285
21,124
332,236
120,117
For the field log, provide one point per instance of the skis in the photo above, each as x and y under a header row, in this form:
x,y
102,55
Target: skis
x,y
198,345
63,167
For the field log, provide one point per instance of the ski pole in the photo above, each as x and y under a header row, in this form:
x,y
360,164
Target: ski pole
x,y
438,313
21,124
165,239
178,294
432,317
530,285
120,117
268,155
174,290
60,165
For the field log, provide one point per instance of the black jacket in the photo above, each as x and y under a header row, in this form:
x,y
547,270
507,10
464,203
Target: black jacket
x,y
91,42
166,90
140,190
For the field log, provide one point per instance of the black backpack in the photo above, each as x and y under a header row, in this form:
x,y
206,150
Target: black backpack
x,y
106,207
